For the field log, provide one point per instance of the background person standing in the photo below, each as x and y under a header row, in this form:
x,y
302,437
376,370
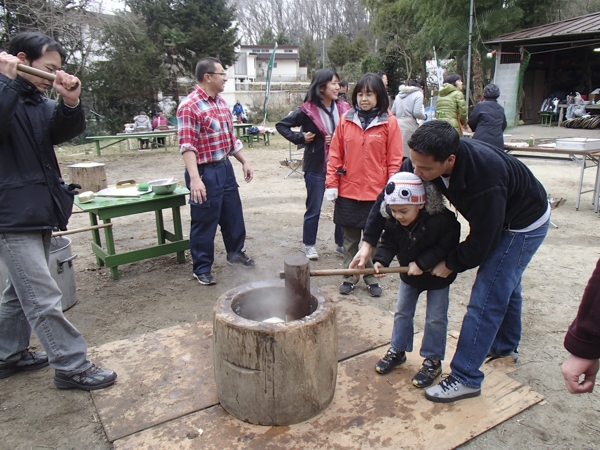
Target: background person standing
x,y
487,119
451,105
206,140
318,118
160,121
366,150
408,107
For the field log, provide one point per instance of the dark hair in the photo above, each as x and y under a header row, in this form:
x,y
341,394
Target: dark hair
x,y
204,66
372,82
343,83
415,83
436,138
381,73
320,79
34,45
452,78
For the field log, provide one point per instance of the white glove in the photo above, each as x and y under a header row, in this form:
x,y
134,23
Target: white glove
x,y
331,194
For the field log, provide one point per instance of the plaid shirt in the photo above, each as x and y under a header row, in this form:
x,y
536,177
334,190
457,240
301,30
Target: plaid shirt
x,y
205,126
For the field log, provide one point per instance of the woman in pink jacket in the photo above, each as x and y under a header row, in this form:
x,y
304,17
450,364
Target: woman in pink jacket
x,y
365,152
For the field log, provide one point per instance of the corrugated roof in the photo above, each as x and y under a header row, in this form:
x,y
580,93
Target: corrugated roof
x,y
575,27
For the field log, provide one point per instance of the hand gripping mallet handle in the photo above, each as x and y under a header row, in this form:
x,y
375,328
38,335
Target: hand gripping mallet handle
x,y
38,73
349,272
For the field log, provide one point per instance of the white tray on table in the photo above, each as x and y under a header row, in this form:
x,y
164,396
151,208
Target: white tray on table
x,y
578,144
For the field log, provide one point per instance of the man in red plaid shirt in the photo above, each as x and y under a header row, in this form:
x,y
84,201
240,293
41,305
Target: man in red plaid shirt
x,y
206,140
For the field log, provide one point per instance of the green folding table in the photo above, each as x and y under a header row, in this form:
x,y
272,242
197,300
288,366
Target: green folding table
x,y
108,208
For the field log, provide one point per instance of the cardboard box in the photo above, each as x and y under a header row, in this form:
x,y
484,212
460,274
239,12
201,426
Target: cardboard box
x,y
594,97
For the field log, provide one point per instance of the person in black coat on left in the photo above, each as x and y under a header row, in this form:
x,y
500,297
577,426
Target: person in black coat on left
x,y
487,119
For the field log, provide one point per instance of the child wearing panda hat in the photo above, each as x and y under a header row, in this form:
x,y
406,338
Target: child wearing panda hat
x,y
420,231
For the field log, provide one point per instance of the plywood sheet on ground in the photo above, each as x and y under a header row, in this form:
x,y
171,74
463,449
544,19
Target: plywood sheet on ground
x,y
166,374
368,411
161,375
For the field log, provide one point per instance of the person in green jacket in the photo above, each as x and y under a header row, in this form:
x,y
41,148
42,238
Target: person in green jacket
x,y
451,105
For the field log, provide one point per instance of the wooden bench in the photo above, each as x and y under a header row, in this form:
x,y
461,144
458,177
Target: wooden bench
x,y
250,139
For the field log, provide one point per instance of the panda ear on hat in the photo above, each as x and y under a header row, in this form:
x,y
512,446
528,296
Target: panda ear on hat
x,y
405,188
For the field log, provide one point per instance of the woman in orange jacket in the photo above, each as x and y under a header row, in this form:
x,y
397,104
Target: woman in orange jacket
x,y
365,152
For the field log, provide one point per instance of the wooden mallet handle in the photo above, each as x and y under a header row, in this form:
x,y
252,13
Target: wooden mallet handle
x,y
348,272
38,73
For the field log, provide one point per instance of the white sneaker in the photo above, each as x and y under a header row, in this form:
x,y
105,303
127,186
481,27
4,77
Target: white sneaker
x,y
311,252
450,390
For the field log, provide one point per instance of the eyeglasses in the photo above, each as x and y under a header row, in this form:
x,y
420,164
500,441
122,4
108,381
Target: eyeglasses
x,y
224,74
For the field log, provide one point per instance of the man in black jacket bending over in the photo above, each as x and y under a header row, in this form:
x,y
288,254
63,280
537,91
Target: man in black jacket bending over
x,y
33,202
508,213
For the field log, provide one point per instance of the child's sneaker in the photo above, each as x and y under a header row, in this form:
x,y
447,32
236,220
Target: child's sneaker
x,y
391,359
429,372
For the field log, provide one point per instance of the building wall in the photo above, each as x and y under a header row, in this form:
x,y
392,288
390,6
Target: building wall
x,y
285,71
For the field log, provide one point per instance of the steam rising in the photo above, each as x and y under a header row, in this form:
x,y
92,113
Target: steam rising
x,y
266,303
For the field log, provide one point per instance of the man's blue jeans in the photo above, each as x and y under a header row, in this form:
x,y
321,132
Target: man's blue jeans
x,y
493,318
436,321
315,190
32,299
223,208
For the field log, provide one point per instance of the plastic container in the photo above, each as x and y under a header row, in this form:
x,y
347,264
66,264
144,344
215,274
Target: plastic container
x,y
578,144
531,141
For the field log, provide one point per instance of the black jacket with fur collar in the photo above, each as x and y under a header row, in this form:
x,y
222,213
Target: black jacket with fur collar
x,y
426,242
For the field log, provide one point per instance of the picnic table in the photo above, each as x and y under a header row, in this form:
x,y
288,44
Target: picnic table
x,y
585,158
108,208
241,131
119,137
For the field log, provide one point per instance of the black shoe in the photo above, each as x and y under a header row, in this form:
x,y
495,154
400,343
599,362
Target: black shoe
x,y
429,372
29,361
514,355
88,380
391,359
374,290
240,259
205,278
346,287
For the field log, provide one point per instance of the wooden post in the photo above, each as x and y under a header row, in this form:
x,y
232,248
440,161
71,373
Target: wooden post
x,y
91,176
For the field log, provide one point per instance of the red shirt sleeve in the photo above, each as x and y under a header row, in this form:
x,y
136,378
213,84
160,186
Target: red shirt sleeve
x,y
583,336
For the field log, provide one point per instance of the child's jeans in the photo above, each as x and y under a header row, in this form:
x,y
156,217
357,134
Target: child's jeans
x,y
436,321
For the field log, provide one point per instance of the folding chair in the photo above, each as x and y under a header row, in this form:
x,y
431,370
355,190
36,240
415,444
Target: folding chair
x,y
295,159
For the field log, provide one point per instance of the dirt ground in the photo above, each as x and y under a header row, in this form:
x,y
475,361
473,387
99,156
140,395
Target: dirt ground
x,y
160,293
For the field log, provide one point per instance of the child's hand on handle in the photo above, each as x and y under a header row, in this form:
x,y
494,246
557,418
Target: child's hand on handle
x,y
378,266
362,257
413,269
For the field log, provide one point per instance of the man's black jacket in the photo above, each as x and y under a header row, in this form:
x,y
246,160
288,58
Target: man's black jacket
x,y
493,190
32,195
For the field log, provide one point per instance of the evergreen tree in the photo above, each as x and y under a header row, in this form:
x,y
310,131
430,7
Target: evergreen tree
x,y
128,77
188,30
338,51
309,55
